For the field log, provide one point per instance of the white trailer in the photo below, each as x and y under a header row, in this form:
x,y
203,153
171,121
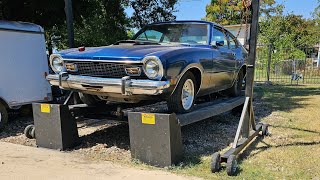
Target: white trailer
x,y
23,67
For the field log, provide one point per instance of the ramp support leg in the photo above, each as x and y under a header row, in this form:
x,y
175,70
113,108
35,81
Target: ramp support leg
x,y
55,127
155,139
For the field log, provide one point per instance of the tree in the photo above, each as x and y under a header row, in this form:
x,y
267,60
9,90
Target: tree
x,y
149,11
289,35
227,12
96,22
102,23
224,12
43,12
316,12
290,31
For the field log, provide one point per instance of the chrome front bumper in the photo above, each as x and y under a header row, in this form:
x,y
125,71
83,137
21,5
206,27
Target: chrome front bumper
x,y
124,86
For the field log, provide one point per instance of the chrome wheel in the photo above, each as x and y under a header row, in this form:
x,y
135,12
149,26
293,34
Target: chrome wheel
x,y
187,95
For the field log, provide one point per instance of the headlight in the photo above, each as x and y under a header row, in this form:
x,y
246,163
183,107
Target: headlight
x,y
56,63
152,67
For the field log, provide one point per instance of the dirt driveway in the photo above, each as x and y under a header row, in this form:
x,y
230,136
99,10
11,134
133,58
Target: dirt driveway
x,y
23,162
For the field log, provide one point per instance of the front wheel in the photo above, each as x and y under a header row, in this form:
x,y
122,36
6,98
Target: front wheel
x,y
182,99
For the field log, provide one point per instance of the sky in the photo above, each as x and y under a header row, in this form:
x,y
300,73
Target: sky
x,y
195,9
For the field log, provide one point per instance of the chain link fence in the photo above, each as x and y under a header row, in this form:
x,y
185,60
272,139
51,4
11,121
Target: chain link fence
x,y
287,66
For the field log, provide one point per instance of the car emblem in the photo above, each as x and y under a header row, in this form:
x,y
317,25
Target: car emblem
x,y
71,67
133,71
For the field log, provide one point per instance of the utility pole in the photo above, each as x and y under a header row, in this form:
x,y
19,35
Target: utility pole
x,y
69,15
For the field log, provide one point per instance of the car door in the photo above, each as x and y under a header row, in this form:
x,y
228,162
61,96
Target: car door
x,y
223,59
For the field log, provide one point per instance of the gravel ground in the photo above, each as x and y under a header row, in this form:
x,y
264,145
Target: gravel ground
x,y
109,140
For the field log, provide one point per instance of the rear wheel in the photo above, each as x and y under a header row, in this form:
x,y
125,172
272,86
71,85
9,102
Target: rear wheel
x,y
182,99
236,89
3,116
89,99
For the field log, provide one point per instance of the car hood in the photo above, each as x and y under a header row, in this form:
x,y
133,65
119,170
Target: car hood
x,y
117,52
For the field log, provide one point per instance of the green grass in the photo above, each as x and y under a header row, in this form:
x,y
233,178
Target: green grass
x,y
293,149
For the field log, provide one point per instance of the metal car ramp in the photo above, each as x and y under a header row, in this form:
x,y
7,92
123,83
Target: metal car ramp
x,y
155,138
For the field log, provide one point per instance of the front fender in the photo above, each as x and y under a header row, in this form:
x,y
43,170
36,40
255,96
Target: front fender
x,y
175,73
187,68
178,62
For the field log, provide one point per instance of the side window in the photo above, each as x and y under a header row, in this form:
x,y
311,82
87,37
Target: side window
x,y
218,35
233,42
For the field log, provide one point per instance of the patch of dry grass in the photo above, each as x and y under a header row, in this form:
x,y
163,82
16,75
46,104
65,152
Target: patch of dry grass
x,y
293,149
291,152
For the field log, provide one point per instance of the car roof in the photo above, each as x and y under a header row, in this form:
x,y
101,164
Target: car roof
x,y
188,21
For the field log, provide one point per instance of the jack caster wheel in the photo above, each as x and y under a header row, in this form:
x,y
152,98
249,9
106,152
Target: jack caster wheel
x,y
29,132
215,162
232,165
265,130
3,116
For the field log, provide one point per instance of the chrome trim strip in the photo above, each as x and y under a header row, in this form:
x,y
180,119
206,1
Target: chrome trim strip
x,y
110,85
184,71
106,61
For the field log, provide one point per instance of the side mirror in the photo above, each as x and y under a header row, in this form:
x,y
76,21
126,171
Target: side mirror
x,y
219,43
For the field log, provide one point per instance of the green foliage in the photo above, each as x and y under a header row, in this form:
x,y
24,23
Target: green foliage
x,y
289,35
227,12
96,22
47,13
316,12
130,33
149,11
224,11
101,26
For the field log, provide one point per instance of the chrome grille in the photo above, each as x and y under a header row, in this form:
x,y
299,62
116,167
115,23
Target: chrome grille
x,y
102,69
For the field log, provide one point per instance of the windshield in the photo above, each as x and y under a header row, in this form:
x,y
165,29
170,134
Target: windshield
x,y
174,33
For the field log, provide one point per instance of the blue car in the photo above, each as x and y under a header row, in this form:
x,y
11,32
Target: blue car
x,y
175,61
